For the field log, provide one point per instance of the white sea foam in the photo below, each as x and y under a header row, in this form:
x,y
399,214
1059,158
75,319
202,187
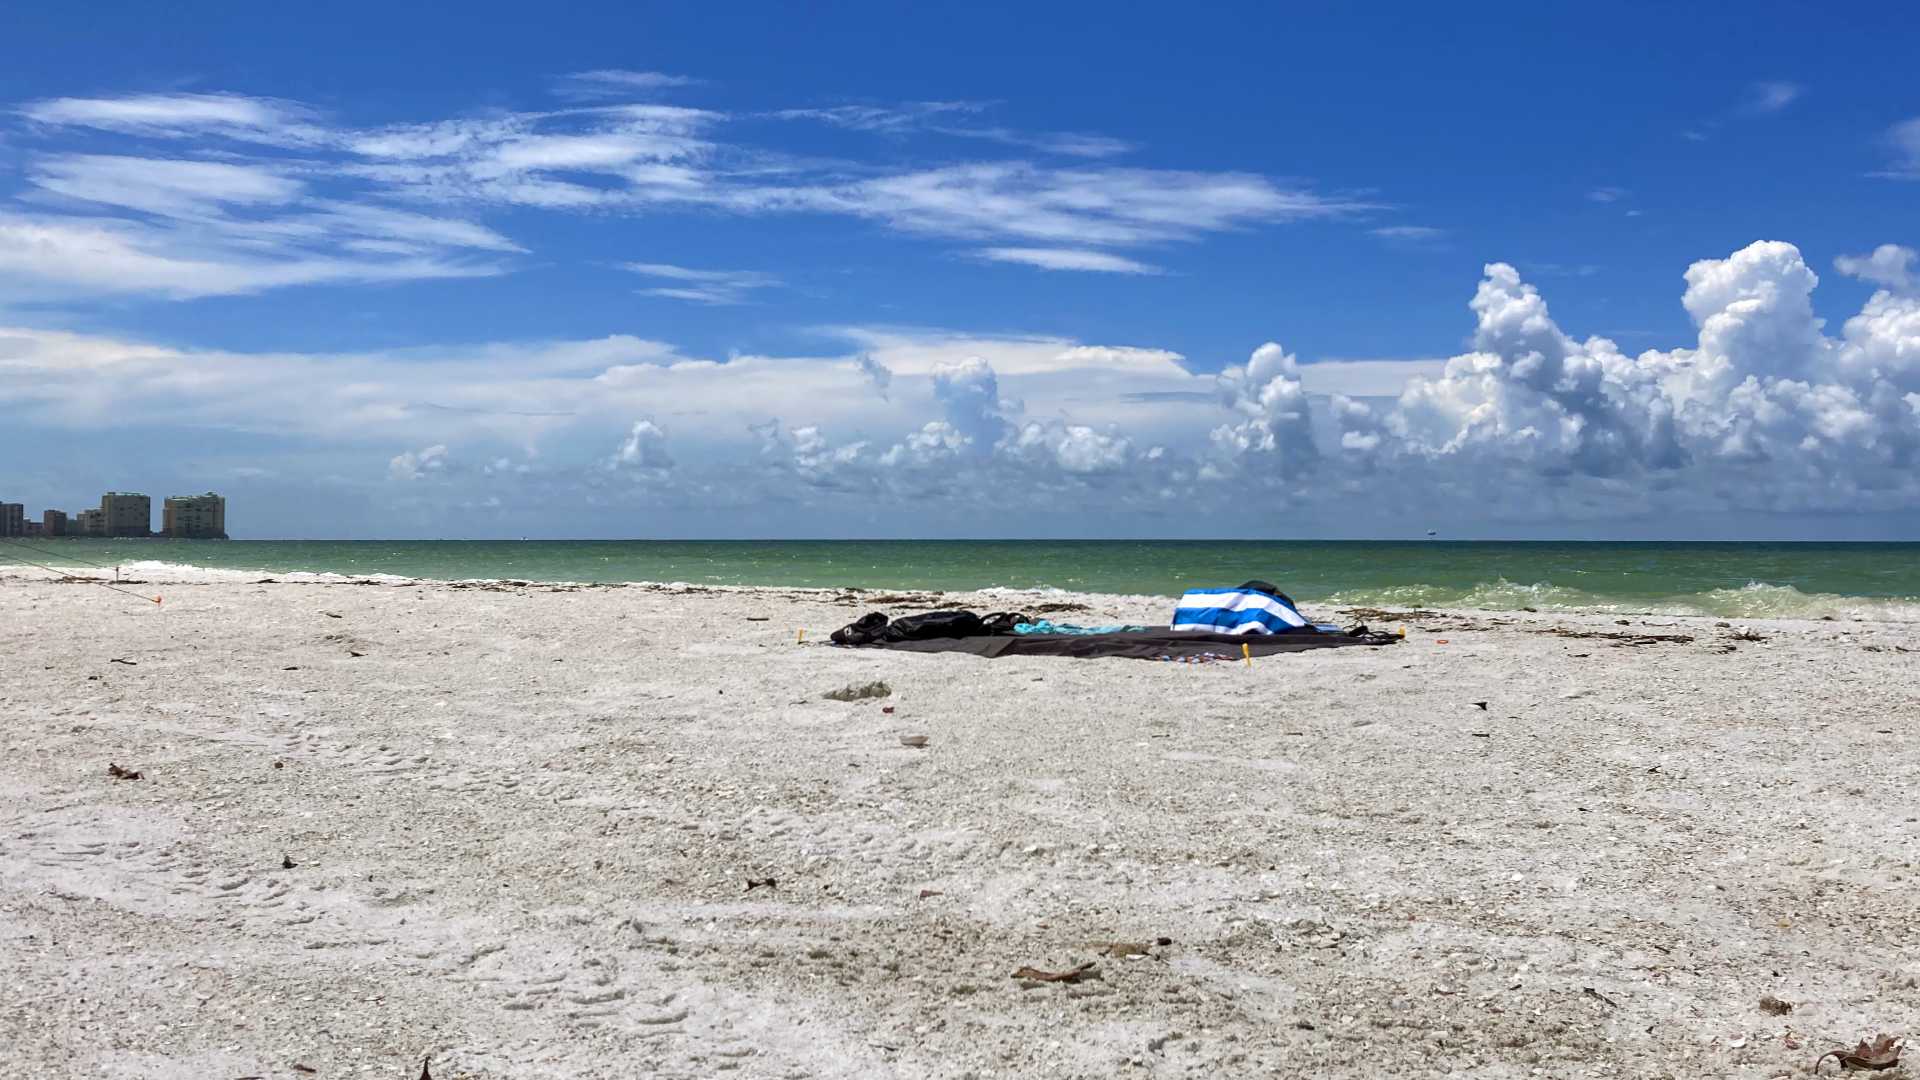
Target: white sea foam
x,y
172,573
1755,600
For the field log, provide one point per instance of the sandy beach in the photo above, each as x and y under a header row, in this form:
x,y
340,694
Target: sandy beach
x,y
561,832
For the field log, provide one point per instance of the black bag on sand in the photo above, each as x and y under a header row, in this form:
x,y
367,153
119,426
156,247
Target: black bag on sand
x,y
874,627
1270,589
936,624
863,631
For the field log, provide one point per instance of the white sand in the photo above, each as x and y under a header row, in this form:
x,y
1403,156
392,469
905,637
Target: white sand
x,y
525,819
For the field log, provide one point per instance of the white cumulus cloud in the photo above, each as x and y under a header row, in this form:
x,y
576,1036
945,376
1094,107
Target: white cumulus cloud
x,y
1275,434
418,464
645,448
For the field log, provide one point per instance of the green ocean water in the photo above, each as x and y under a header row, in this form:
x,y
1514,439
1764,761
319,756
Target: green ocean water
x,y
1870,580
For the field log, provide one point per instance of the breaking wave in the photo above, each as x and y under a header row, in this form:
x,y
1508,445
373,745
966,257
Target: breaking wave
x,y
1755,600
188,574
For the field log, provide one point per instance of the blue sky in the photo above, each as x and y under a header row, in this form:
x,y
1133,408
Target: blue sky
x,y
869,270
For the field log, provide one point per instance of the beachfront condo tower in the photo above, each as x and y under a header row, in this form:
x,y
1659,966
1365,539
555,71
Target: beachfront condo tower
x,y
126,514
194,517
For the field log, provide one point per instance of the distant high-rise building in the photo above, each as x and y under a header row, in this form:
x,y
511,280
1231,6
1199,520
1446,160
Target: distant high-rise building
x,y
194,517
53,523
88,523
13,519
126,513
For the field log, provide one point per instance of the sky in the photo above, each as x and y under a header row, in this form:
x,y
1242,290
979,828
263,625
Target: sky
x,y
849,270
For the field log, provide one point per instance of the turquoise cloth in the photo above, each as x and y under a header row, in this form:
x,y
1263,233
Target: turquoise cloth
x,y
1046,627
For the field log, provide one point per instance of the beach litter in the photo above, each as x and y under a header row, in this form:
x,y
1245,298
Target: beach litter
x,y
1773,1005
117,660
761,883
1123,950
119,773
859,692
1881,1053
1072,975
1619,640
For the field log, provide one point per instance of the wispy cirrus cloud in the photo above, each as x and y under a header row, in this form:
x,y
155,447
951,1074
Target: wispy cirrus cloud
x,y
1773,96
184,262
948,118
190,228
1104,262
1108,207
270,121
172,188
718,287
884,119
618,82
1903,139
1764,98
1068,143
265,193
1409,235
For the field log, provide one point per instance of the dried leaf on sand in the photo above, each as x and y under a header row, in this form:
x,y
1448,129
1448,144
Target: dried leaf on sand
x,y
119,773
1881,1053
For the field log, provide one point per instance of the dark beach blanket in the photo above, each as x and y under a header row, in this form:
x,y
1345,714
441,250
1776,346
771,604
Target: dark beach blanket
x,y
1139,644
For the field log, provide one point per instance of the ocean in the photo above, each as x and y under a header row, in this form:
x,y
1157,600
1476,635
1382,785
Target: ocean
x,y
1757,580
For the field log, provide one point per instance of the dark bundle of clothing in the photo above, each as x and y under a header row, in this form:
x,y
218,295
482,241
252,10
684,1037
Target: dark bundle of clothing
x,y
877,629
994,635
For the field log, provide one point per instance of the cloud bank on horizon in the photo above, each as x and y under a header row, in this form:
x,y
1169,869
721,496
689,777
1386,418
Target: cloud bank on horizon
x,y
1762,412
190,196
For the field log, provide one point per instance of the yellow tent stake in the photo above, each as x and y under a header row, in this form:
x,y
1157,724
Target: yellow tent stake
x,y
1246,653
801,638
1403,629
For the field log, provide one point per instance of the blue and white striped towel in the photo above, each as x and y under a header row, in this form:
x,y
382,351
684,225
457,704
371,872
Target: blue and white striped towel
x,y
1236,611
